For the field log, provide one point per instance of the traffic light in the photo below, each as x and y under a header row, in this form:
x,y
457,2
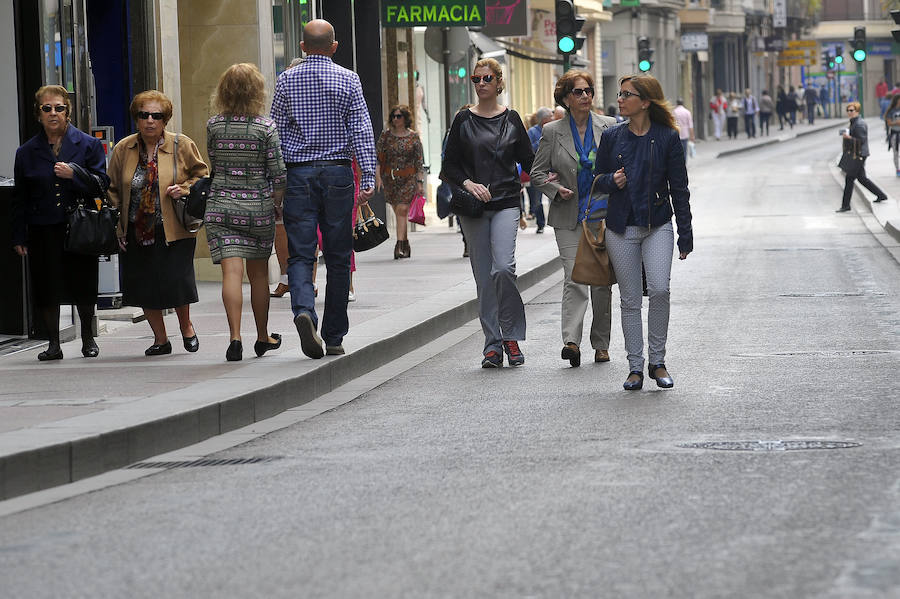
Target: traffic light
x,y
827,60
568,24
645,54
839,54
895,14
858,43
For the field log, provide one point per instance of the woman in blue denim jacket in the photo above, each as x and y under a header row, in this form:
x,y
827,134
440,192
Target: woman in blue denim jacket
x,y
641,165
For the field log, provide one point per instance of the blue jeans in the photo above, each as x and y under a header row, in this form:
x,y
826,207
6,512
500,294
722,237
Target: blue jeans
x,y
320,196
536,205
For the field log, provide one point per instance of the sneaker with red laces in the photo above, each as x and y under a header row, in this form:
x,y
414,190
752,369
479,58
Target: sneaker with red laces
x,y
492,360
513,353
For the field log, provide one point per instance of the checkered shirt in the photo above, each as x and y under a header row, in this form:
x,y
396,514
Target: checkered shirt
x,y
321,115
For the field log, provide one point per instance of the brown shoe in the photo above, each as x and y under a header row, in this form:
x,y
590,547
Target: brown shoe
x,y
571,353
601,355
280,290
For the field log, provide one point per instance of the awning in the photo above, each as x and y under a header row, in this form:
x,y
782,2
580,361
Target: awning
x,y
487,48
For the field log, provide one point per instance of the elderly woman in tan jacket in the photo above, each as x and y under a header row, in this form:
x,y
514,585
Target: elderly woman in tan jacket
x,y
157,258
562,170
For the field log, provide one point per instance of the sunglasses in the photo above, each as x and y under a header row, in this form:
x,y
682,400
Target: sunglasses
x,y
627,94
397,116
577,91
851,110
57,108
476,79
144,115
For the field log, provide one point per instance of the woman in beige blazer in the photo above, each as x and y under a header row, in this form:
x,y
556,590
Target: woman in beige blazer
x,y
157,257
555,172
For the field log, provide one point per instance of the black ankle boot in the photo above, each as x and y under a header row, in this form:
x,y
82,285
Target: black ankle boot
x,y
407,251
398,250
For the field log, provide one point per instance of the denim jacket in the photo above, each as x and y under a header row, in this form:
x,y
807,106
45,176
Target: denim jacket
x,y
651,196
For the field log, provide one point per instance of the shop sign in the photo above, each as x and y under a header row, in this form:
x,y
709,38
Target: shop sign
x,y
694,42
880,48
779,13
424,13
774,43
543,27
506,18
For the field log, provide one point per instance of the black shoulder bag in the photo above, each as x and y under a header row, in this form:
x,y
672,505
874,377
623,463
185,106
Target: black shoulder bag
x,y
190,208
91,230
463,203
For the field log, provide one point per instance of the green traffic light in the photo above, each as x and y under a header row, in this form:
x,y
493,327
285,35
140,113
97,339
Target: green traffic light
x,y
839,59
566,44
859,55
462,72
644,66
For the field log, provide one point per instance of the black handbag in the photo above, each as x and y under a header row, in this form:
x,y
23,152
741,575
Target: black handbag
x,y
442,200
851,161
195,204
463,203
369,230
91,230
183,214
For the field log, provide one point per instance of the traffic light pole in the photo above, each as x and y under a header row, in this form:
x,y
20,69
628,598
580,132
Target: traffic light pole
x,y
567,63
859,88
445,53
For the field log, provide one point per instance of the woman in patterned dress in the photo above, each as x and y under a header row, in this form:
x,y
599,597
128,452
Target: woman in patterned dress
x,y
245,199
401,170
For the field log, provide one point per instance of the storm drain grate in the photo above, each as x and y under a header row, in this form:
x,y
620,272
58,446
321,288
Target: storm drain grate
x,y
769,445
204,462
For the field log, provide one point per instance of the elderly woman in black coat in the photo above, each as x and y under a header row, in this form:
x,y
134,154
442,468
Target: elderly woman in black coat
x,y
45,187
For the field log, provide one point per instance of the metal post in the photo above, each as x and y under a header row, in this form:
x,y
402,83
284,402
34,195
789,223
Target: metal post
x,y
445,51
859,88
567,62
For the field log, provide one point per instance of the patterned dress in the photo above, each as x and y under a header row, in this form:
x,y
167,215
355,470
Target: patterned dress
x,y
245,158
397,153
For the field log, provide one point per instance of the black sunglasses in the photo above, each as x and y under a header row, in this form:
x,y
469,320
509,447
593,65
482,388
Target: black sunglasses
x,y
577,91
397,116
144,115
476,79
57,108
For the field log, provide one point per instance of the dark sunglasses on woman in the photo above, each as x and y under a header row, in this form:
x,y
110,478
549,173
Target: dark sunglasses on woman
x,y
577,91
397,116
57,108
157,116
476,79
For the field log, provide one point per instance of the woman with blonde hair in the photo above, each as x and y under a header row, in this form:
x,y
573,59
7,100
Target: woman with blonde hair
x,y
641,166
245,199
147,171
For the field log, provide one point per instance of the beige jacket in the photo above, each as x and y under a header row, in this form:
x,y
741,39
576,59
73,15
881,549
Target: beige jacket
x,y
123,163
556,153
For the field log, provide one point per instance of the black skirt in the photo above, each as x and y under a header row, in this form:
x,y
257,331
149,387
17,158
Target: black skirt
x,y
57,276
158,276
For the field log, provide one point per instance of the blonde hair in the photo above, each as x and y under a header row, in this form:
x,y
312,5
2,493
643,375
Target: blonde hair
x,y
241,90
659,111
855,105
495,68
52,90
151,95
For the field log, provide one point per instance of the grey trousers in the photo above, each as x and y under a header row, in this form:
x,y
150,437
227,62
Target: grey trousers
x,y
492,253
575,297
653,247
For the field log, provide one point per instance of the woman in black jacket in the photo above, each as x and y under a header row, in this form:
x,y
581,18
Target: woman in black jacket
x,y
641,165
45,188
856,142
485,143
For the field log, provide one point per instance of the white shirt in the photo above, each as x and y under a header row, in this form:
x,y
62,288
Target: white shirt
x,y
684,120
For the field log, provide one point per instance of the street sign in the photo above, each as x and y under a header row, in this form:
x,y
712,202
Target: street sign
x,y
441,13
801,43
694,41
793,62
794,53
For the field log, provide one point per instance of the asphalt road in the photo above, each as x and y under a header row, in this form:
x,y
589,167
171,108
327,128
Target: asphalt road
x,y
546,481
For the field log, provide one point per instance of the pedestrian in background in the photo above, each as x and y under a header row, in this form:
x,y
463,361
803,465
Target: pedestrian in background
x,y
484,145
323,122
147,171
734,111
792,105
568,149
400,171
45,188
245,198
750,107
535,198
856,139
892,122
717,109
780,110
766,107
881,92
685,123
810,98
635,162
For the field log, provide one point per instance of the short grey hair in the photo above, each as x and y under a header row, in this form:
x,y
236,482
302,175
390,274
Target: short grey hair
x,y
543,113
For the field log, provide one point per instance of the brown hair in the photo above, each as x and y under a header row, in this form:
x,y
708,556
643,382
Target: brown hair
x,y
495,68
151,95
566,84
659,111
405,111
52,90
855,105
241,90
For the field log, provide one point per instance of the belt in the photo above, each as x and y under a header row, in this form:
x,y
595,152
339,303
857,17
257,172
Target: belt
x,y
336,162
399,172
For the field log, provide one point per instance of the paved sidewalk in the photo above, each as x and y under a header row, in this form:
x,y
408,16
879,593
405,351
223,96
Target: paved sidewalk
x,y
68,420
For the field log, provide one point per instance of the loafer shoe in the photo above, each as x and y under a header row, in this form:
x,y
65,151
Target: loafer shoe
x,y
159,349
89,349
571,353
514,355
261,347
634,385
46,356
310,342
191,344
492,359
334,350
601,355
666,381
876,200
842,210
235,351
280,290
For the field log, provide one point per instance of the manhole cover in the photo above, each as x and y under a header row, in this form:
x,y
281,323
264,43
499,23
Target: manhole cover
x,y
204,462
769,445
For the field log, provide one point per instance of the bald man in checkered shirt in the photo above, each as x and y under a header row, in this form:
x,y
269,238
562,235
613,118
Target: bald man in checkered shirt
x,y
323,123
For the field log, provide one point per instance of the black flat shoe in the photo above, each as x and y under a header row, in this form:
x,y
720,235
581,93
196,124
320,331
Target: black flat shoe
x,y
191,344
261,347
665,382
46,356
158,349
235,351
89,349
634,385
